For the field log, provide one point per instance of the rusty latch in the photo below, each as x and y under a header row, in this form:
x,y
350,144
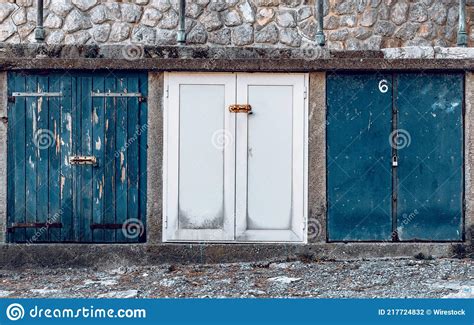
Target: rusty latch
x,y
236,108
82,160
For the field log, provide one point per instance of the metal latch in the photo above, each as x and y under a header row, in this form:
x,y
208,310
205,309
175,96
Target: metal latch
x,y
236,108
82,160
394,161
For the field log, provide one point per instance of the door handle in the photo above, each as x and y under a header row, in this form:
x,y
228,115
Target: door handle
x,y
83,160
236,108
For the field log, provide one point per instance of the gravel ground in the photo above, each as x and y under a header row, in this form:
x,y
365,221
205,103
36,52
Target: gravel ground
x,y
325,279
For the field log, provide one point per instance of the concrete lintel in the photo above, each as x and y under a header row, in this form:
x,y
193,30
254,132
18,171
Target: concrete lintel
x,y
111,255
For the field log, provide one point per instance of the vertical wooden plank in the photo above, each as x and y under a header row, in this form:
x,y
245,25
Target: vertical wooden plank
x,y
54,179
98,144
17,147
33,142
66,170
86,179
133,153
121,162
44,141
110,157
142,178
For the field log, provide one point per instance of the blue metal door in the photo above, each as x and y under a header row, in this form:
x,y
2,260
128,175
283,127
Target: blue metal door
x,y
77,157
430,156
395,162
359,117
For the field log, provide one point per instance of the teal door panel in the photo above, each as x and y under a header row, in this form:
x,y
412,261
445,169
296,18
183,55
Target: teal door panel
x,y
359,117
430,156
55,116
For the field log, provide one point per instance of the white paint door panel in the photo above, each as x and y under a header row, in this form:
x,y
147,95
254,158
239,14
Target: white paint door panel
x,y
235,176
200,157
270,196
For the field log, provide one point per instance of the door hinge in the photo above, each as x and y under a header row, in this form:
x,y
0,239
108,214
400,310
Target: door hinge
x,y
304,225
305,92
167,91
166,222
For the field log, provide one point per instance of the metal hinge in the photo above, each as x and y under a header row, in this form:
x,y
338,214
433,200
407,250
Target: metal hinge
x,y
166,222
167,91
12,98
110,94
305,92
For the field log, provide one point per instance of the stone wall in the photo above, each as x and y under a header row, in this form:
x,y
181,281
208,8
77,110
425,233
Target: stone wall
x,y
349,24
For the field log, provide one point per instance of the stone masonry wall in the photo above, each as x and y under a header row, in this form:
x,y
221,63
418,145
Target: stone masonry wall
x,y
349,24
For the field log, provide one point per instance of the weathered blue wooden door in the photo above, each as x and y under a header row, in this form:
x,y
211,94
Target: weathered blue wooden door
x,y
359,117
77,157
430,157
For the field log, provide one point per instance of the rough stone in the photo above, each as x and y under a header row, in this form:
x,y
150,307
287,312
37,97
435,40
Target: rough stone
x,y
427,30
268,34
55,37
165,37
6,9
399,13
308,28
193,10
368,18
62,7
26,29
80,37
98,14
439,13
290,37
453,15
339,35
151,17
331,22
84,5
161,5
220,37
7,29
232,18
407,31
348,21
304,13
290,3
24,3
384,28
416,52
418,13
265,15
211,20
120,32
362,33
267,3
242,35
76,21
197,35
248,13
53,21
169,21
113,11
101,33
19,17
286,19
143,34
131,12
142,2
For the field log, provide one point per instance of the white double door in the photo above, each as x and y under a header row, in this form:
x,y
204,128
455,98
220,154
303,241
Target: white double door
x,y
235,176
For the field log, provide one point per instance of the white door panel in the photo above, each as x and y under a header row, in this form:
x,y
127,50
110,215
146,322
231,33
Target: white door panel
x,y
233,176
270,195
200,160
